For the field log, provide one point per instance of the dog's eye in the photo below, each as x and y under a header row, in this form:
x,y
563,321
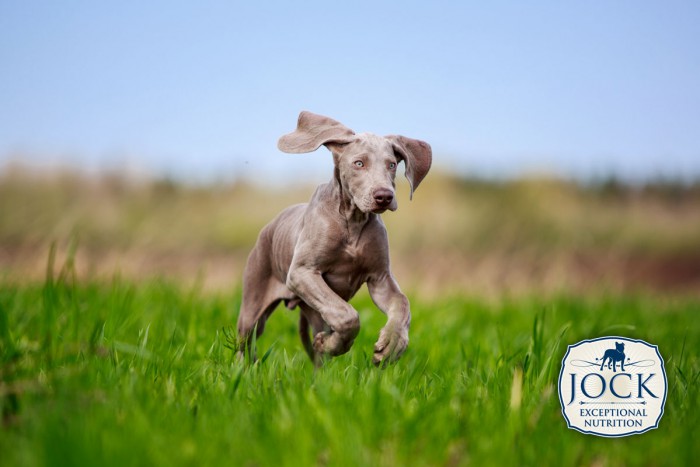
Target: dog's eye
x,y
359,163
392,165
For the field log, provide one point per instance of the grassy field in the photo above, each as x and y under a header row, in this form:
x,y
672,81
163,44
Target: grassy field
x,y
141,374
118,352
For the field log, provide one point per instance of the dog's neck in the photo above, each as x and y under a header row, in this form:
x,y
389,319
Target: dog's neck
x,y
354,219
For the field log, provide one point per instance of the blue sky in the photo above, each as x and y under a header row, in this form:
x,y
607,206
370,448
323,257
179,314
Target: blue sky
x,y
204,89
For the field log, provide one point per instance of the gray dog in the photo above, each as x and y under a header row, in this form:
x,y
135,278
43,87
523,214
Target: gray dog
x,y
317,255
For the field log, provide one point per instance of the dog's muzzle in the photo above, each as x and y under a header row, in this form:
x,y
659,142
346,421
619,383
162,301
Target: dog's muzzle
x,y
383,198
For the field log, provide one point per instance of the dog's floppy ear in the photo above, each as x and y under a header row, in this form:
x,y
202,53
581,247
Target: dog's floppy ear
x,y
417,156
313,131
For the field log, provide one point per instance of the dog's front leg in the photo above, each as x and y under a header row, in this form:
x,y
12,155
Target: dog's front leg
x,y
393,338
340,316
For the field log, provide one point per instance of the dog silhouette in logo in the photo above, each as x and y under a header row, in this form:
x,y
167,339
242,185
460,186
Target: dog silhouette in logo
x,y
612,356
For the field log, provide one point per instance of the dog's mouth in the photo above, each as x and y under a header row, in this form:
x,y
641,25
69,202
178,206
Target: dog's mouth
x,y
383,209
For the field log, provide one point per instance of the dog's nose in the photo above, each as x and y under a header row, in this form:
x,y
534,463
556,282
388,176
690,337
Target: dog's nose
x,y
383,197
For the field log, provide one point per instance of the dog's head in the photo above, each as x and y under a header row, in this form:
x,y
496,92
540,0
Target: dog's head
x,y
365,164
620,346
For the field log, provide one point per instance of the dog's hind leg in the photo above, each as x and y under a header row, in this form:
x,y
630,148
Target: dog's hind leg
x,y
261,294
304,334
251,321
309,318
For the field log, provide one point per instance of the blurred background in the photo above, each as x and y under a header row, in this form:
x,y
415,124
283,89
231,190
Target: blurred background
x,y
565,136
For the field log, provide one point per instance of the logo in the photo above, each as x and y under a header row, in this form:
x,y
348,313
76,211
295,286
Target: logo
x,y
612,386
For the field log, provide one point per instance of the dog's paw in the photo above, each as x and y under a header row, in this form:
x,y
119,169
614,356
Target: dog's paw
x,y
391,344
331,343
320,342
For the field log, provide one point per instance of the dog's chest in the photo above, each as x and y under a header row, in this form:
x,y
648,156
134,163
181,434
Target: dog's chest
x,y
348,269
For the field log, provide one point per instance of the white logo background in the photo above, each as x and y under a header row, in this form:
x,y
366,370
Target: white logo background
x,y
612,401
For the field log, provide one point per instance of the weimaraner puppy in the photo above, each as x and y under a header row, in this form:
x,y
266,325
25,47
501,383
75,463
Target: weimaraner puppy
x,y
317,255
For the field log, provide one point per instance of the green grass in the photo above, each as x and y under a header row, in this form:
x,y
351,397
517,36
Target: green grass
x,y
140,374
